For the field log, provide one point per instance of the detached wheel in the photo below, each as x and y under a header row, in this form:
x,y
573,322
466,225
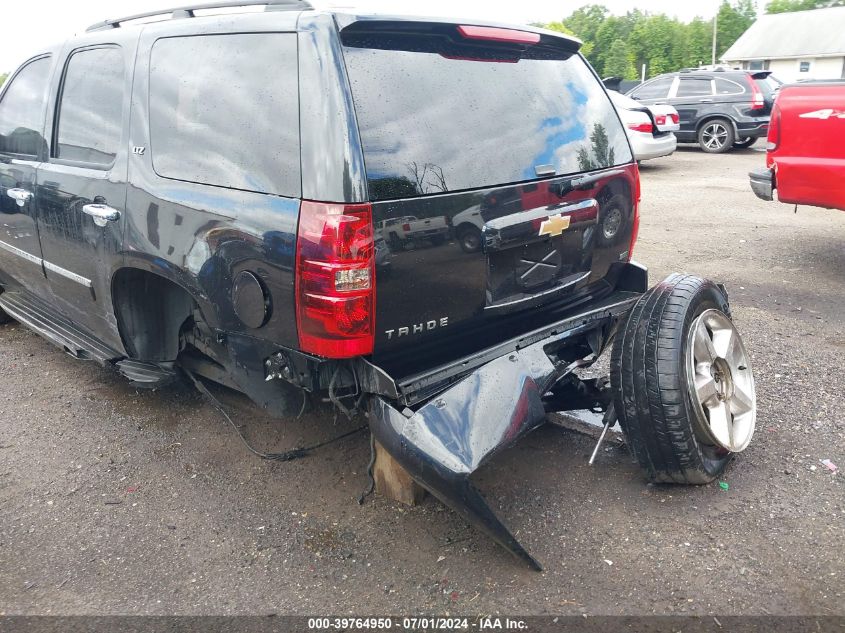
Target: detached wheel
x,y
682,382
744,143
716,136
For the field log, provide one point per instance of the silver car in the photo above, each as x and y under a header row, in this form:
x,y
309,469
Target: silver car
x,y
650,128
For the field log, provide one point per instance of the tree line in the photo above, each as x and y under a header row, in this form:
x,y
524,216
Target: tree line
x,y
619,46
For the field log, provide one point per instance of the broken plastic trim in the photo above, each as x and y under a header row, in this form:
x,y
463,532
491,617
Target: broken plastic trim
x,y
450,437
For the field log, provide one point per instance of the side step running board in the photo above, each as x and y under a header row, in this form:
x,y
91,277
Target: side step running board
x,y
42,319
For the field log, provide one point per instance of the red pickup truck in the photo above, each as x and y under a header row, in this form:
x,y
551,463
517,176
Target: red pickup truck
x,y
805,160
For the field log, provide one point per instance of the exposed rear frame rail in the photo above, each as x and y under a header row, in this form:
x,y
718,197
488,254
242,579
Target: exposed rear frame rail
x,y
188,11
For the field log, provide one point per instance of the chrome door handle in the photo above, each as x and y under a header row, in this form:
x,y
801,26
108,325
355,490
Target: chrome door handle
x,y
102,213
19,195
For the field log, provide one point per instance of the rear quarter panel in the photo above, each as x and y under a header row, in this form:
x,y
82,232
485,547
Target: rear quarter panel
x,y
201,236
809,162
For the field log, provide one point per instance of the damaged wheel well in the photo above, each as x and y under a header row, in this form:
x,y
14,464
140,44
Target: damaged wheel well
x,y
150,311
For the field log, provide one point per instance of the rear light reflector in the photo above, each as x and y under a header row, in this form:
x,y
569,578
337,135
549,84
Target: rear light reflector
x,y
335,279
758,102
773,138
494,34
641,127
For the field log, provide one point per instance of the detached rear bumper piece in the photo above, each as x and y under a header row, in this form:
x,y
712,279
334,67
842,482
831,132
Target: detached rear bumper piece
x,y
762,183
447,439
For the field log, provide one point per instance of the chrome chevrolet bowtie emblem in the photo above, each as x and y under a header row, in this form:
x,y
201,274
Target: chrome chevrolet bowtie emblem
x,y
555,225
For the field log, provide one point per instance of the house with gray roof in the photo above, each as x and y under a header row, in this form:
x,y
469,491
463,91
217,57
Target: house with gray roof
x,y
796,45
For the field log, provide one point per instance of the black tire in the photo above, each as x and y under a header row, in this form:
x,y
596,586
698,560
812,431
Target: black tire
x,y
614,216
716,136
744,143
648,378
470,239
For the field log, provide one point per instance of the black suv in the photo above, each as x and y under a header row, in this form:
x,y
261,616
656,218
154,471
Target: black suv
x,y
200,196
719,109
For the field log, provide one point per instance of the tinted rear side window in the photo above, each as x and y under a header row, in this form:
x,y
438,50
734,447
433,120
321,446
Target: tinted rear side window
x,y
690,87
727,87
434,121
224,110
22,109
657,89
91,107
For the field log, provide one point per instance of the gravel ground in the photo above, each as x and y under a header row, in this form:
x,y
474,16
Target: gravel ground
x,y
117,501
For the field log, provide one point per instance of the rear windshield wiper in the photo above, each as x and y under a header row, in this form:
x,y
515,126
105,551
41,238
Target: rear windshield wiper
x,y
584,181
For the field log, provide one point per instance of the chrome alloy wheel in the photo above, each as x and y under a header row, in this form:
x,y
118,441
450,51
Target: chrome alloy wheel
x,y
720,382
714,136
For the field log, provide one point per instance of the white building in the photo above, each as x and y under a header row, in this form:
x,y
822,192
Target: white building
x,y
796,45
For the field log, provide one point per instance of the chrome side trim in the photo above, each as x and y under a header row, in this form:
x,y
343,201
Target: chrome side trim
x,y
64,272
14,250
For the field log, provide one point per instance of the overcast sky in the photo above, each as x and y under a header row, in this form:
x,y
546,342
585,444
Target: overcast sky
x,y
28,26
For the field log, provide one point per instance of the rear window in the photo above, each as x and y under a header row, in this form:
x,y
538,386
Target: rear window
x,y
768,85
434,117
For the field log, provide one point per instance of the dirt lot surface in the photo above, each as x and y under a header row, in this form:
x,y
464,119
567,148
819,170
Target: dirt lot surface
x,y
119,501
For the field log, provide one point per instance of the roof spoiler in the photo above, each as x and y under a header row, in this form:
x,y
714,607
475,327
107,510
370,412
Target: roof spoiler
x,y
612,83
455,38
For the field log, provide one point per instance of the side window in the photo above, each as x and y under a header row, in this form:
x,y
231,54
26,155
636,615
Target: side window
x,y
728,87
22,109
691,87
220,116
657,89
90,111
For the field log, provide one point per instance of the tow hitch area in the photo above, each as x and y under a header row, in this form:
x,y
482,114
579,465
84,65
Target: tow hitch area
x,y
447,439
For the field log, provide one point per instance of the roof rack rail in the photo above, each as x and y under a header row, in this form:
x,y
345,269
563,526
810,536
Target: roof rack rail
x,y
188,12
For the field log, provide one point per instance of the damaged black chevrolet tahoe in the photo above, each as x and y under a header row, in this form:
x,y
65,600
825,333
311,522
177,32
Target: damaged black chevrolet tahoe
x,y
208,193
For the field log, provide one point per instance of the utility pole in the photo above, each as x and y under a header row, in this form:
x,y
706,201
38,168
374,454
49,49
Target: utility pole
x,y
715,22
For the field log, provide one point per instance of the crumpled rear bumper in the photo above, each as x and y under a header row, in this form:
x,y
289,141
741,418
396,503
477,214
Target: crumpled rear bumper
x,y
447,439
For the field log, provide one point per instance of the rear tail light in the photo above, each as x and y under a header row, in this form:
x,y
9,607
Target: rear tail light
x,y
758,101
635,224
773,139
641,127
675,117
660,119
406,227
335,279
495,34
